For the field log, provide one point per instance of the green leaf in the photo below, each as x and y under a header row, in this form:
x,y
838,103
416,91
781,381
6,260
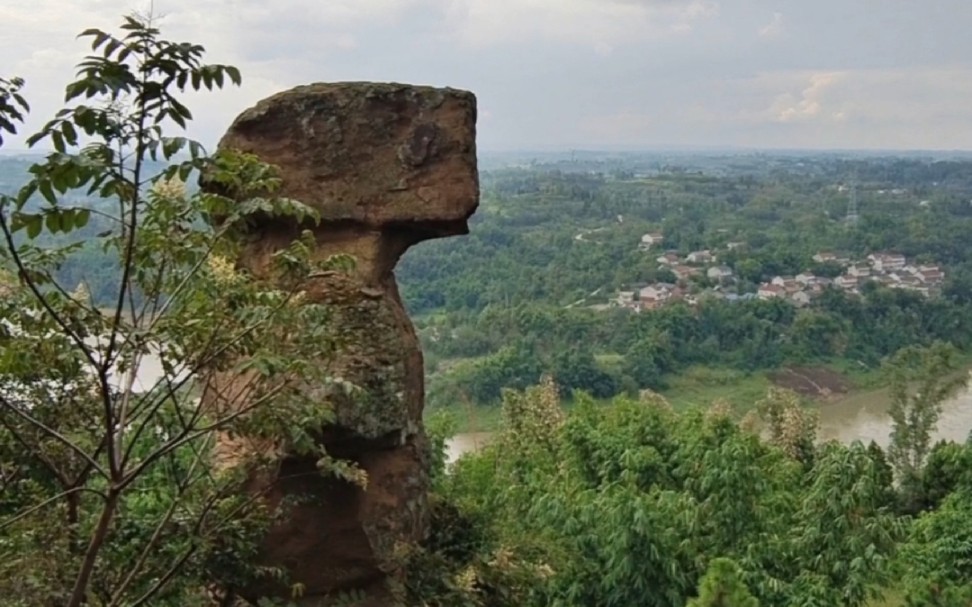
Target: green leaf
x,y
47,191
34,225
36,137
53,221
234,75
81,217
172,145
70,134
111,47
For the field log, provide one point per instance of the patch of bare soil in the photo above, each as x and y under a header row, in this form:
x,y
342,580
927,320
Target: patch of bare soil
x,y
811,381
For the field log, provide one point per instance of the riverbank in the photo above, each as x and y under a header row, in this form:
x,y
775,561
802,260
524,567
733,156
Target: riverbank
x,y
831,384
856,415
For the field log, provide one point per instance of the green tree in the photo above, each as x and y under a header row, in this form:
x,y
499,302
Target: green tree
x,y
936,561
111,495
722,586
919,380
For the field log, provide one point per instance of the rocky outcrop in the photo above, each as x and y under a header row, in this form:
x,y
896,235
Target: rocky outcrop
x,y
386,166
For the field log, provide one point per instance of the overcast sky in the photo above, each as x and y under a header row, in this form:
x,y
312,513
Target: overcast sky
x,y
557,74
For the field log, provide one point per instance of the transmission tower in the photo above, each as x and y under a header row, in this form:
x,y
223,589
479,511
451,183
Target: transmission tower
x,y
852,214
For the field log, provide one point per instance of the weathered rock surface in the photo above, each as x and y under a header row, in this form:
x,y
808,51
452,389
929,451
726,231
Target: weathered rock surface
x,y
387,166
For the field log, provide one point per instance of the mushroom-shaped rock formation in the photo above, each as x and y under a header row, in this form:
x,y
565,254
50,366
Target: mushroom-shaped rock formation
x,y
386,166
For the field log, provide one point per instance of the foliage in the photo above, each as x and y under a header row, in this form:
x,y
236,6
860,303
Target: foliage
x,y
111,494
920,380
554,241
722,586
936,561
790,426
634,504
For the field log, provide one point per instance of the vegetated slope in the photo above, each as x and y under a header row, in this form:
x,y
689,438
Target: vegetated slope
x,y
539,285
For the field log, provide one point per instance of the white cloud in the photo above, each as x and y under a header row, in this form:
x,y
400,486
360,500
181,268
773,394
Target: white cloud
x,y
774,28
810,104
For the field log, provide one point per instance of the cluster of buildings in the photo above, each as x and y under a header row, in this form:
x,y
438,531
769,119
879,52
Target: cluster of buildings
x,y
696,263
650,297
799,289
891,270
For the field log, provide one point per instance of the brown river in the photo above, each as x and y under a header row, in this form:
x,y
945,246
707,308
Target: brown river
x,y
861,417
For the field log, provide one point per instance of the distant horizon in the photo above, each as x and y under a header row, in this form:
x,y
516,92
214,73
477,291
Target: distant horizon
x,y
661,149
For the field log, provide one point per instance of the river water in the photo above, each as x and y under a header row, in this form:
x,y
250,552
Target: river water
x,y
861,417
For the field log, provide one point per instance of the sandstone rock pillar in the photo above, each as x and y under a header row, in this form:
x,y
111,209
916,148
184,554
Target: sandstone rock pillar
x,y
386,166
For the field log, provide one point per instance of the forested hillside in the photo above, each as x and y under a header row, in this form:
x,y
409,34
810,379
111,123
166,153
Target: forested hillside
x,y
539,284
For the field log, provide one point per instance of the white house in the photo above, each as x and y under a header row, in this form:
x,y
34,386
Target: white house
x,y
768,291
670,258
846,281
684,272
654,293
700,257
719,272
805,278
887,262
651,239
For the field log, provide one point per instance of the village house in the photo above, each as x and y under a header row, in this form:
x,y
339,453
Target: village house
x,y
684,272
769,291
670,258
651,304
816,287
719,272
824,257
846,281
805,278
909,280
650,240
788,283
654,293
930,275
859,271
887,262
625,297
700,257
732,246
